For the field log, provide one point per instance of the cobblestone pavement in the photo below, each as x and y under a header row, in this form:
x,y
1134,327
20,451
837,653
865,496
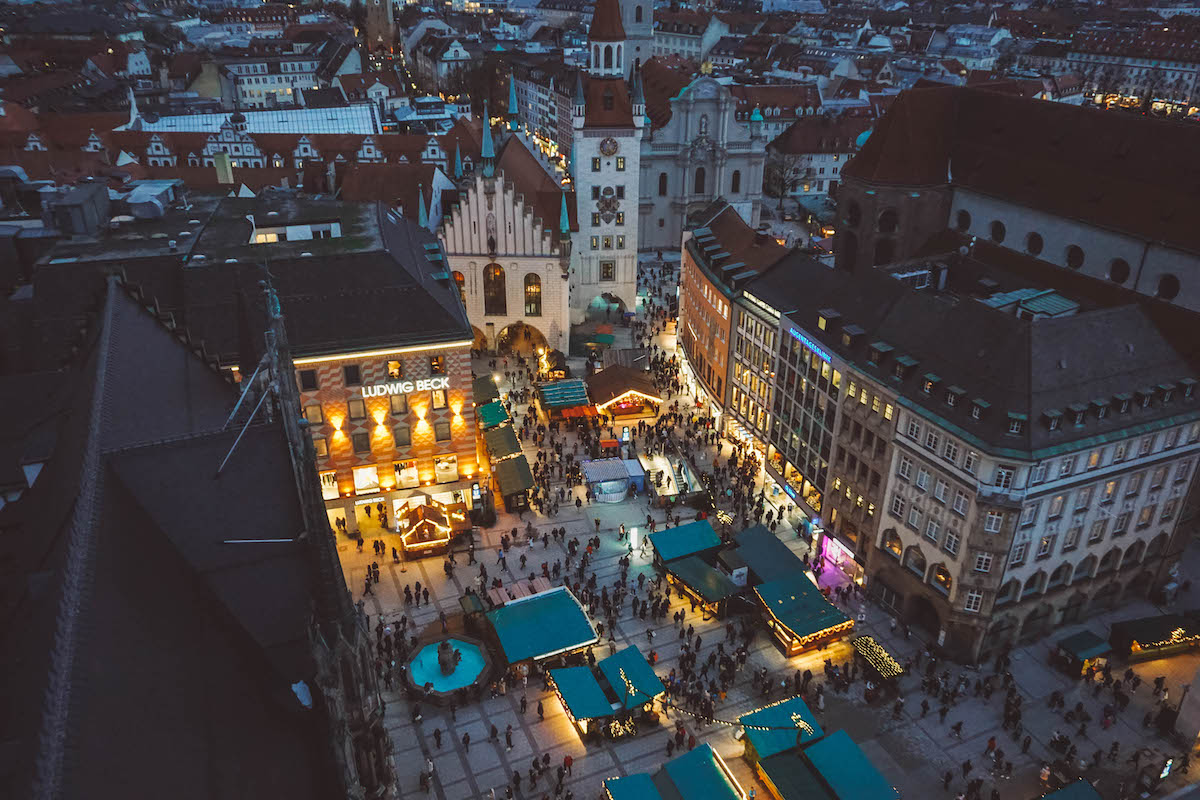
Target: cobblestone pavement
x,y
913,752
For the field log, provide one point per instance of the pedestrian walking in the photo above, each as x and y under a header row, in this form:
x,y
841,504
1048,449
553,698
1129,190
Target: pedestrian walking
x,y
466,740
541,712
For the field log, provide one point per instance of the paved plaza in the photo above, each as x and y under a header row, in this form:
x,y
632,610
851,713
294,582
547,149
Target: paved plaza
x,y
911,751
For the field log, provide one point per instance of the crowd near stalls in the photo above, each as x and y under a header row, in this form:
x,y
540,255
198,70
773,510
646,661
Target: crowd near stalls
x,y
613,697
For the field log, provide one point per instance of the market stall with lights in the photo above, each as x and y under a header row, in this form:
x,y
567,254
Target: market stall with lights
x,y
623,391
800,616
484,391
556,398
541,626
611,699
426,525
552,365
777,728
699,774
1074,654
882,670
1155,637
710,588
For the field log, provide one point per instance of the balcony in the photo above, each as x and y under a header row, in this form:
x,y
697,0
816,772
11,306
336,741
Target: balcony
x,y
1005,498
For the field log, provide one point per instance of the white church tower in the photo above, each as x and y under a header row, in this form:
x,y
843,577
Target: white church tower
x,y
609,118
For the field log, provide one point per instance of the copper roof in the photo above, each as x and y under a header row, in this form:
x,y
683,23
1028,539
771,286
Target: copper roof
x,y
606,22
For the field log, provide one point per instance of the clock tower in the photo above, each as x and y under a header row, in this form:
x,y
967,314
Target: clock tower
x,y
609,118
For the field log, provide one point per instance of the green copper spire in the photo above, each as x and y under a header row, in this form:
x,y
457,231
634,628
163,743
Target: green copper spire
x,y
512,103
488,151
564,219
422,214
458,173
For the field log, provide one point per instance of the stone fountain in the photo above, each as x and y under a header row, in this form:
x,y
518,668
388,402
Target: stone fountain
x,y
448,657
449,667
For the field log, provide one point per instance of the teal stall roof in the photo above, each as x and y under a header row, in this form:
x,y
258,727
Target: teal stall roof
x,y
638,786
1079,790
709,582
799,605
581,693
686,540
847,770
697,775
541,625
492,414
779,717
630,661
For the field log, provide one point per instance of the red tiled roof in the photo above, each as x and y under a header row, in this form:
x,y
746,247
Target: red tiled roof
x,y
742,242
661,81
1118,171
606,22
531,180
395,184
608,104
820,134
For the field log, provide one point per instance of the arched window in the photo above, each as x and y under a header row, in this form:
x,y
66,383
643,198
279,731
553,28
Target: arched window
x,y
889,220
1118,270
941,580
735,183
662,184
998,231
915,561
608,61
1168,287
619,61
461,282
595,55
1074,256
853,214
699,185
962,220
533,295
494,301
637,14
891,542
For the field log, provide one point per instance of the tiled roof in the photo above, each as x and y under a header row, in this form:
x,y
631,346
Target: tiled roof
x,y
606,22
608,103
662,80
1119,171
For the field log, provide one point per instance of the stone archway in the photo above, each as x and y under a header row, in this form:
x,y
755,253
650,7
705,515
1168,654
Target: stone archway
x,y
520,337
481,341
923,614
605,308
1037,623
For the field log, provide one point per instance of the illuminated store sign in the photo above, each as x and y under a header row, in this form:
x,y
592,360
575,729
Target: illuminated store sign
x,y
809,343
406,387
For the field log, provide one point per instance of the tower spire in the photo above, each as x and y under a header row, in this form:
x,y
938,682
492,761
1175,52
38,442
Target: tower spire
x,y
422,214
512,103
606,40
458,171
488,151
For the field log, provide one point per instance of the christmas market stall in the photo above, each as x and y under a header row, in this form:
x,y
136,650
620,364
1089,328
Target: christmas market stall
x,y
693,539
611,699
484,391
699,774
608,479
541,626
1074,654
1078,790
706,585
426,525
552,365
882,671
557,398
766,557
800,616
778,728
845,770
492,414
513,480
624,391
1154,637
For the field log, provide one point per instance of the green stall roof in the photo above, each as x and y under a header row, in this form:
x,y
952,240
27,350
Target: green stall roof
x,y
779,717
484,390
501,442
564,393
696,775
766,555
492,414
847,770
1079,790
638,786
686,540
794,778
513,475
709,582
541,625
581,693
1085,645
646,684
799,605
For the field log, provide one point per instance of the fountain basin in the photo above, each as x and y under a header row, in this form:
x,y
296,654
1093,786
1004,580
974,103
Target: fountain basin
x,y
472,671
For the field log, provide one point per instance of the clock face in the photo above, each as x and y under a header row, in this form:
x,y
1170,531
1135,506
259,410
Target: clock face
x,y
608,146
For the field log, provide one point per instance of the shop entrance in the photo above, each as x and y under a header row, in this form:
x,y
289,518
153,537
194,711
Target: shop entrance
x,y
923,614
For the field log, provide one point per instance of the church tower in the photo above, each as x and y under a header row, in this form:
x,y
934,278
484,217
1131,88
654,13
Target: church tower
x,y
380,30
637,17
608,118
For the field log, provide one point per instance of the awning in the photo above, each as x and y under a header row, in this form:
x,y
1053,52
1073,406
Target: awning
x,y
492,414
846,769
708,582
1084,645
609,443
501,442
564,393
484,390
601,338
779,719
630,665
513,475
581,693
